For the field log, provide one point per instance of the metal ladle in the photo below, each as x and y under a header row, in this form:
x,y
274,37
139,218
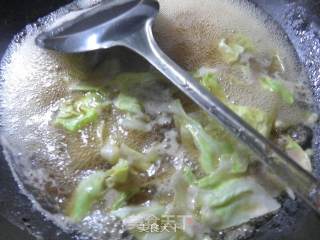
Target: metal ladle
x,y
129,24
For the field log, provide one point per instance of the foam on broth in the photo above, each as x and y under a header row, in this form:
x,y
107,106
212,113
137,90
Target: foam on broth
x,y
35,80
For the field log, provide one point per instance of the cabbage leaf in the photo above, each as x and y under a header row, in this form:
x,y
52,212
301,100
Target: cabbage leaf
x,y
230,166
88,191
210,81
134,118
122,199
256,118
137,160
232,48
91,189
118,173
233,199
127,103
135,122
209,148
294,150
135,217
274,85
234,202
74,115
230,52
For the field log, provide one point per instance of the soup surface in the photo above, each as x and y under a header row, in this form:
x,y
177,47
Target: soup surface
x,y
102,137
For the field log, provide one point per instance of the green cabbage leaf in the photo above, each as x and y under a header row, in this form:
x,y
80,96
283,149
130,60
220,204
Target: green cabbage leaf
x,y
137,160
209,148
294,150
128,104
274,85
74,115
91,189
232,48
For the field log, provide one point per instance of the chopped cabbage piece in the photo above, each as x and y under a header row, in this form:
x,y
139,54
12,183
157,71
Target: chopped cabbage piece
x,y
230,52
91,189
180,185
213,179
134,215
136,159
141,215
230,166
225,193
188,174
135,123
233,199
258,119
135,119
123,198
74,115
239,165
128,104
242,40
118,173
274,85
186,138
294,150
88,191
120,201
232,48
276,65
234,202
210,81
209,148
214,146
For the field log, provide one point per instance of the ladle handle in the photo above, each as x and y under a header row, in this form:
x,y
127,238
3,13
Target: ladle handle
x,y
302,182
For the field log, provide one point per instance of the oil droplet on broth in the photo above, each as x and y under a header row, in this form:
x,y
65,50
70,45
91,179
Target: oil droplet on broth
x,y
188,30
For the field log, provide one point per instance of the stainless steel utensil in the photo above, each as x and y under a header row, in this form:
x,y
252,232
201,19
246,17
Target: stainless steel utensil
x,y
129,23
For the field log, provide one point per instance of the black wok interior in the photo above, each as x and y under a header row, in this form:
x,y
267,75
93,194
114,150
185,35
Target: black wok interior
x,y
300,19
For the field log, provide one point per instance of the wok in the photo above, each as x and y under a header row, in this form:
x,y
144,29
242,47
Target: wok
x,y
300,20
